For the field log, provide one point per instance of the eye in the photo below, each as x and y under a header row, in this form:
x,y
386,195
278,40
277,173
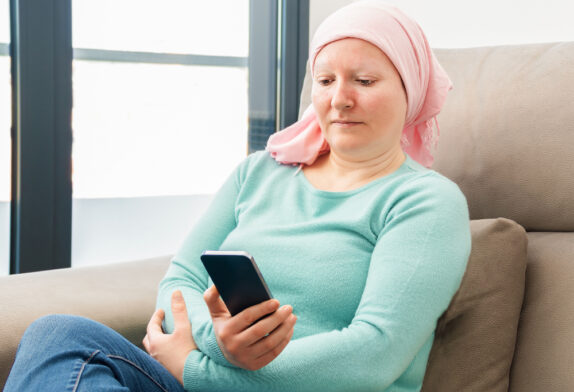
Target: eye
x,y
366,82
324,81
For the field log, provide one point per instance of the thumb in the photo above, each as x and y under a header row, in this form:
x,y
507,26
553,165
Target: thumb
x,y
214,303
179,311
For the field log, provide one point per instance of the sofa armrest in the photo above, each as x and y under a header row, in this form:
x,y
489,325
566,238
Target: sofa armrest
x,y
121,296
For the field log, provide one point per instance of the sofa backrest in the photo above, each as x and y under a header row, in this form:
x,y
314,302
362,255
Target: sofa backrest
x,y
515,156
507,132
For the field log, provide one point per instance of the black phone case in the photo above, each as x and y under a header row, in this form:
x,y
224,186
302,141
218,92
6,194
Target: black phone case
x,y
237,279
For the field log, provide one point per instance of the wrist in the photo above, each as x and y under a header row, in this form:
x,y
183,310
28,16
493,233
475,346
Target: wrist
x,y
191,374
179,369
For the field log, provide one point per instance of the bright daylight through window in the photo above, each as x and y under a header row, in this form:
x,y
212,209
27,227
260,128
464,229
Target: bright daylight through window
x,y
159,119
147,129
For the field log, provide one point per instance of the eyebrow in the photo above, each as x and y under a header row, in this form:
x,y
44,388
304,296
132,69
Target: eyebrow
x,y
373,71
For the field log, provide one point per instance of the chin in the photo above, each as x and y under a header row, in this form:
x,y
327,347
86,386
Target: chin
x,y
351,151
347,144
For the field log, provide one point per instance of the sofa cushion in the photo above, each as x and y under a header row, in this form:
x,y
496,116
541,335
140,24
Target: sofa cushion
x,y
476,336
544,354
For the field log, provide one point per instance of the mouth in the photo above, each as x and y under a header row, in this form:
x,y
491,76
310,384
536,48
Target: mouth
x,y
345,123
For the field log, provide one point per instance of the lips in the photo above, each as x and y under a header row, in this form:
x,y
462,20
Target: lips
x,y
345,123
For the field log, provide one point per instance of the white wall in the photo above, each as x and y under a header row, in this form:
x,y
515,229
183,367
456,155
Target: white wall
x,y
457,24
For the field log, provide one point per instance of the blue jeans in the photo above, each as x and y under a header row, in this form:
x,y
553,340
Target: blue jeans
x,y
70,353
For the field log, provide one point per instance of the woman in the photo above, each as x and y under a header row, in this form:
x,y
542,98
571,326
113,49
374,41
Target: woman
x,y
363,245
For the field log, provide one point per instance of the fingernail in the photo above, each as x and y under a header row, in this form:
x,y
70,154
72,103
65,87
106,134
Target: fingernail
x,y
286,308
273,304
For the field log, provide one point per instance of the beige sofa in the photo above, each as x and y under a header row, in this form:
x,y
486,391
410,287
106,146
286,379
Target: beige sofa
x,y
507,139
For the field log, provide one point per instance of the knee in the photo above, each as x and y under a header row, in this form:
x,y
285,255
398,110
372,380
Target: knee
x,y
52,322
53,327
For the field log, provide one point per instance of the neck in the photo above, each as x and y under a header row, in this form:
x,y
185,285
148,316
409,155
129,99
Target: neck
x,y
333,172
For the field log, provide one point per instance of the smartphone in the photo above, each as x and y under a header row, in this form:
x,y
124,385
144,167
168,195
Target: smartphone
x,y
237,279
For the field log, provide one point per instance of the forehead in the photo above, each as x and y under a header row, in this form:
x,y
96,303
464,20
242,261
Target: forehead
x,y
351,53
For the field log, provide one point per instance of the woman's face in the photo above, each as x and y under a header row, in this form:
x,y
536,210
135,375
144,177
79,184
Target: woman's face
x,y
359,99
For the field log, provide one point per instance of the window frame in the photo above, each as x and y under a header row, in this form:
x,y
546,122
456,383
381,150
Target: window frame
x,y
41,195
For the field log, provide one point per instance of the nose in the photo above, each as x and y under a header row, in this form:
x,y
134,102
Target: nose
x,y
342,96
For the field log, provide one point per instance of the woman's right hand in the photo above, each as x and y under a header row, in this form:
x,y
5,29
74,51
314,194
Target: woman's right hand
x,y
243,341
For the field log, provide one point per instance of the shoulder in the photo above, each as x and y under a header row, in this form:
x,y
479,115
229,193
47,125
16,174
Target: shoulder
x,y
425,201
422,189
426,182
260,165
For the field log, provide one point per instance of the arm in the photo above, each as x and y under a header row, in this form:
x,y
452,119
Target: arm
x,y
416,268
229,341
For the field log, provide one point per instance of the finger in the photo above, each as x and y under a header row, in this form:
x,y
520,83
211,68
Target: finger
x,y
145,343
272,354
275,338
154,325
214,303
179,311
252,314
264,327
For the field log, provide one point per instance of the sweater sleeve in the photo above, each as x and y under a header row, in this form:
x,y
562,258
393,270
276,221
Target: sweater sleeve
x,y
186,272
415,269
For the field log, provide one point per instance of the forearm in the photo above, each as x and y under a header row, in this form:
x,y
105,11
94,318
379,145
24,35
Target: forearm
x,y
357,358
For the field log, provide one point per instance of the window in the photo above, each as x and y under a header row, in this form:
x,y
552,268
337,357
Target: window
x,y
5,152
159,117
159,120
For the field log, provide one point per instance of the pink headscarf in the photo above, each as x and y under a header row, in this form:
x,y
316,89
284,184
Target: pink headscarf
x,y
402,40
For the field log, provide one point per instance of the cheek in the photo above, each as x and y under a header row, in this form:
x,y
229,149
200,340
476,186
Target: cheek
x,y
392,103
319,98
401,100
321,103
402,106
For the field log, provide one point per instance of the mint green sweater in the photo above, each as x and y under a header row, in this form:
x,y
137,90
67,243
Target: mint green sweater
x,y
368,273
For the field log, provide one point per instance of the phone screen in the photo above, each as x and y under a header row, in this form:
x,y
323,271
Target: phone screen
x,y
237,279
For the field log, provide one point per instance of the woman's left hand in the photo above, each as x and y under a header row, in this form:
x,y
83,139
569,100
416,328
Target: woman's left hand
x,y
171,350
